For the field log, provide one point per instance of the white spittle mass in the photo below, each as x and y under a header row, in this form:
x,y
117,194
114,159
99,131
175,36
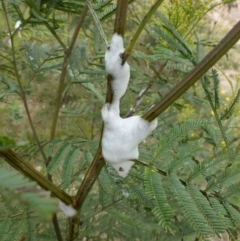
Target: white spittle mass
x,y
121,137
114,67
68,210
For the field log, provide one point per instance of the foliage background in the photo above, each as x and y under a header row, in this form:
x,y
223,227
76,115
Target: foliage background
x,y
187,133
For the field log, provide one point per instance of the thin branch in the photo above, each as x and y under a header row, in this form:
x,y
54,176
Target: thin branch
x,y
22,92
55,221
138,100
89,178
198,71
103,209
19,164
57,228
54,34
145,20
121,17
98,161
68,52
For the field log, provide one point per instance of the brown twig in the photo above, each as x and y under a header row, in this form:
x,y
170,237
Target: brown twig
x,y
68,52
98,161
19,164
138,100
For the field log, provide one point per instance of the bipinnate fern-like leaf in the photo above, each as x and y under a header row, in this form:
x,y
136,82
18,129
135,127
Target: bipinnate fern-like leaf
x,y
154,189
26,192
212,166
131,221
178,133
170,28
222,212
67,167
109,10
184,156
101,3
107,183
171,41
59,156
234,213
229,111
225,179
139,193
5,227
205,208
189,209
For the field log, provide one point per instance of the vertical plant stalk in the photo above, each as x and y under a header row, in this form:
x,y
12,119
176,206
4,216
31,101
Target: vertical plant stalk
x,y
121,17
197,72
68,52
98,161
67,55
22,167
22,92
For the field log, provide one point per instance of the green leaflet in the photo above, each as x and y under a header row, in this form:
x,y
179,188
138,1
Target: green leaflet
x,y
222,212
15,184
32,236
6,143
58,157
101,3
170,27
94,91
138,192
67,167
107,183
225,179
189,209
155,190
35,7
184,155
235,215
229,111
129,220
211,166
176,134
216,88
5,227
205,208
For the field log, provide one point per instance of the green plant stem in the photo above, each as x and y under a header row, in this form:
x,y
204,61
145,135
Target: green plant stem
x,y
54,34
208,95
89,178
145,20
103,209
22,92
55,221
121,17
198,71
57,228
28,171
98,161
68,52
85,187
